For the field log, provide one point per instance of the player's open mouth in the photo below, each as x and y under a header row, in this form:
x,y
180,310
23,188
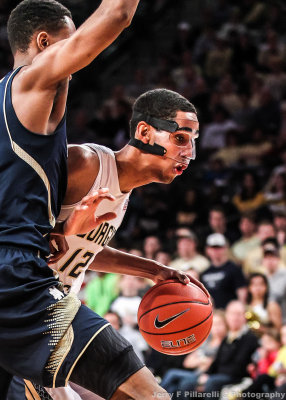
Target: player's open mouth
x,y
179,168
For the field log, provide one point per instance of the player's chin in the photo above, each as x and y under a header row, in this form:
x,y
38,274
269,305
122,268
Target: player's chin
x,y
166,177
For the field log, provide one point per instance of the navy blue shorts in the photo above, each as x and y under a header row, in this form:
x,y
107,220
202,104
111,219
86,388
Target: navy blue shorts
x,y
43,332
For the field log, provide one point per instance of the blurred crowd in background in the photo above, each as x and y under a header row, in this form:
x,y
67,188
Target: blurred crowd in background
x,y
224,219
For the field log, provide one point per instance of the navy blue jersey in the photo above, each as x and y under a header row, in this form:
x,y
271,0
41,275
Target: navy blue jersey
x,y
33,177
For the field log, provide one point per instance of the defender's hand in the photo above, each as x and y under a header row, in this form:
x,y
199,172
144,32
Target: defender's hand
x,y
58,248
83,218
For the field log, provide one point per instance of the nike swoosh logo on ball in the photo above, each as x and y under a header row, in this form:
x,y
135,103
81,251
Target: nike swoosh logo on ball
x,y
160,324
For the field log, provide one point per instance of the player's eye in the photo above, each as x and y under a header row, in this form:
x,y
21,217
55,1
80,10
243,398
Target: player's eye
x,y
181,139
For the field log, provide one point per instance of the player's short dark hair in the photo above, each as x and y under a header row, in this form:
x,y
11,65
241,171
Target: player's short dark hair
x,y
31,16
159,103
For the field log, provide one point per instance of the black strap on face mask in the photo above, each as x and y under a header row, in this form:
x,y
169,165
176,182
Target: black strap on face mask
x,y
149,148
159,124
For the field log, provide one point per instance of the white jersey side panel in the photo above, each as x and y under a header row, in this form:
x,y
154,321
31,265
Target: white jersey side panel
x,y
83,248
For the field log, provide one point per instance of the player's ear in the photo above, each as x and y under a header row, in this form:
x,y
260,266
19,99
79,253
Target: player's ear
x,y
145,133
42,40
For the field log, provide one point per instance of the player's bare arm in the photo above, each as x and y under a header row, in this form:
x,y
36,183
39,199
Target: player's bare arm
x,y
51,60
116,261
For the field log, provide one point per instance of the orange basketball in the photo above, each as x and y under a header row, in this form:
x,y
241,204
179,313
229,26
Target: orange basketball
x,y
175,318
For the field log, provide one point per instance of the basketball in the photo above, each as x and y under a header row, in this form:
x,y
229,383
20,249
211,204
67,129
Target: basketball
x,y
175,318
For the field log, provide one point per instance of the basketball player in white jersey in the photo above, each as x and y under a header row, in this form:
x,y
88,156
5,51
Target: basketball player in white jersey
x,y
164,127
92,167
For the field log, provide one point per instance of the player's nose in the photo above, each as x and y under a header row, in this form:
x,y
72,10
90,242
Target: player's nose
x,y
188,150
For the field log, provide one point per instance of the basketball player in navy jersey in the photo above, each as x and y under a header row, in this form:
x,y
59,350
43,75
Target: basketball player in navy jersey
x,y
159,150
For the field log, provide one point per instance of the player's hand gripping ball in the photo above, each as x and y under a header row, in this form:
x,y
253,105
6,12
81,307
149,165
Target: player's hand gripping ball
x,y
175,318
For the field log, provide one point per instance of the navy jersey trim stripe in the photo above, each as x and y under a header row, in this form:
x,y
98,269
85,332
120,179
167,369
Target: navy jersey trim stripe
x,y
26,157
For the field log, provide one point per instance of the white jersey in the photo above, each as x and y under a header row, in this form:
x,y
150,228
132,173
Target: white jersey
x,y
83,248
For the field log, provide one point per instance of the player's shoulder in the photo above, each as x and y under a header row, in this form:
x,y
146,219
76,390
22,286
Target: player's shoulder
x,y
81,158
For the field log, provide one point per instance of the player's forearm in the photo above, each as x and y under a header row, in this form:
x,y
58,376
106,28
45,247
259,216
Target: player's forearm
x,y
112,260
90,39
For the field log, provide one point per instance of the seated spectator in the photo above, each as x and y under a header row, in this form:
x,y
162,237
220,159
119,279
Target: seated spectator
x,y
258,369
188,255
151,246
163,257
267,115
189,209
261,311
101,291
223,279
127,303
230,153
275,193
250,197
278,368
198,361
233,356
272,48
271,365
213,135
218,59
248,239
218,224
136,252
276,276
266,354
279,221
253,259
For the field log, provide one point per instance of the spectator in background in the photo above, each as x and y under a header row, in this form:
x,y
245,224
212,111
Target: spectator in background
x,y
101,291
265,356
229,96
267,115
218,224
278,369
275,193
230,154
275,274
151,246
218,58
127,303
163,257
248,239
273,48
189,208
262,311
253,259
279,221
136,252
213,134
233,356
269,246
223,279
249,197
187,254
183,39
